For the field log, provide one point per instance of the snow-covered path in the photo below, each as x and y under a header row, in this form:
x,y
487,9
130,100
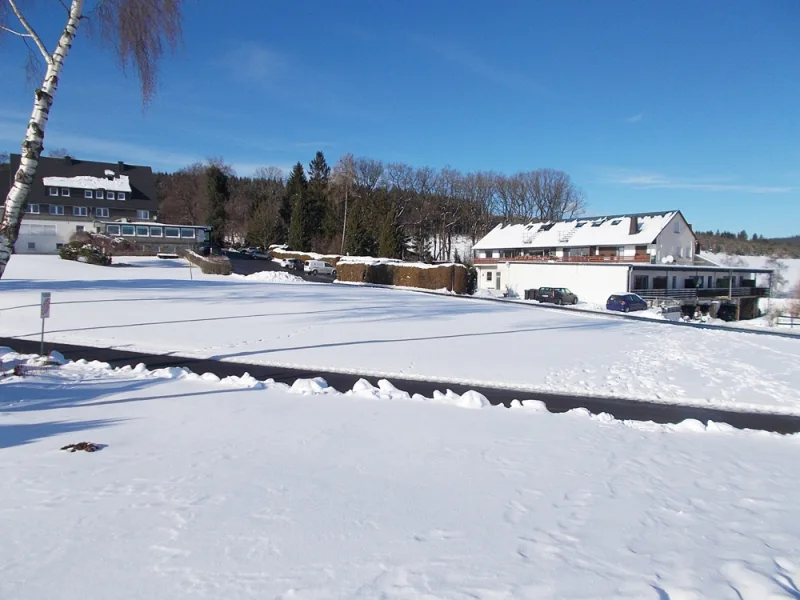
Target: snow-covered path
x,y
209,490
153,306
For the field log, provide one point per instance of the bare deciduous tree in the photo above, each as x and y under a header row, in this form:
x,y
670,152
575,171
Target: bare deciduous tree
x,y
4,158
58,153
136,30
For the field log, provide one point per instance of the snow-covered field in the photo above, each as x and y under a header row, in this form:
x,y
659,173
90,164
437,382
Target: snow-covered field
x,y
236,489
153,306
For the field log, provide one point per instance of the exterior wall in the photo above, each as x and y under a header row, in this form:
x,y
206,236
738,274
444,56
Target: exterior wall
x,y
669,241
592,283
56,232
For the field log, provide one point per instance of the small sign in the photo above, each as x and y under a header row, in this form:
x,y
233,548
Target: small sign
x,y
45,308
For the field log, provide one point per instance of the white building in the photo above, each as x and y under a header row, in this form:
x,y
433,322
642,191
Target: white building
x,y
651,254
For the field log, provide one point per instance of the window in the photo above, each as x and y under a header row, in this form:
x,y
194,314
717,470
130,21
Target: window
x,y
109,195
79,228
187,232
616,221
88,194
678,252
31,245
98,194
80,211
488,275
120,195
32,209
37,229
674,282
101,212
173,232
142,230
641,282
112,229
54,191
709,281
144,215
597,224
156,232
59,246
65,192
56,210
580,225
128,230
688,252
677,226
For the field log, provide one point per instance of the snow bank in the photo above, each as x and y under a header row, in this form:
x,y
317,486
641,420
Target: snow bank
x,y
270,277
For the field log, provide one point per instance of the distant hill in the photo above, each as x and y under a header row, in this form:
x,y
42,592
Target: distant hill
x,y
743,245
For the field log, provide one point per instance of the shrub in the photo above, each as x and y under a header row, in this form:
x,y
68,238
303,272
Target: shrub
x,y
84,252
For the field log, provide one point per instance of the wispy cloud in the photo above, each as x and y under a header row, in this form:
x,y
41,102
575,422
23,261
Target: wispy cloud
x,y
637,118
649,181
477,65
254,63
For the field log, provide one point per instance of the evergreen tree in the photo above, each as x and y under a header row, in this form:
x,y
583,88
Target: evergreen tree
x,y
218,197
319,176
390,243
297,194
360,240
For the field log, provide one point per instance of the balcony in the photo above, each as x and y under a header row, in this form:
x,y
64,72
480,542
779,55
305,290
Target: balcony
x,y
707,293
639,258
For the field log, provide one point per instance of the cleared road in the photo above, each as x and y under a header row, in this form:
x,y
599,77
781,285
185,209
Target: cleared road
x,y
620,408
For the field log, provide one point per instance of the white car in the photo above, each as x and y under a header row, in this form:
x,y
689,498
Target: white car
x,y
318,267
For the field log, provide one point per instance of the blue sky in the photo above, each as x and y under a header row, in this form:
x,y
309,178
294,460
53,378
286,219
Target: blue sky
x,y
647,105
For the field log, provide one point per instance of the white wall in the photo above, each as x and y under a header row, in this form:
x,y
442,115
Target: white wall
x,y
592,283
45,234
668,242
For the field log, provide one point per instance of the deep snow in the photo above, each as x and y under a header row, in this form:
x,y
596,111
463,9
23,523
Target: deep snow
x,y
235,489
154,306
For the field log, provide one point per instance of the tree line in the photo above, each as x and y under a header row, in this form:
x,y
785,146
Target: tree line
x,y
742,244
361,206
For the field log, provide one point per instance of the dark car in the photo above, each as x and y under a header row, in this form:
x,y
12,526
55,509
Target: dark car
x,y
626,302
295,264
556,295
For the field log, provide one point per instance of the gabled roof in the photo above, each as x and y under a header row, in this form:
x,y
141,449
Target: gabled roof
x,y
71,172
612,230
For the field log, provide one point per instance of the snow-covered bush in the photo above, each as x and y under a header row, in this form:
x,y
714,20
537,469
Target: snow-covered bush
x,y
84,252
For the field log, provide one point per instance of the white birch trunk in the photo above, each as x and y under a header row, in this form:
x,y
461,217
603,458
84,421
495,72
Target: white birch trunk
x,y
32,145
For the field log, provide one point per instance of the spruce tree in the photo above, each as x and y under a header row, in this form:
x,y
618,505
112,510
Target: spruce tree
x,y
297,194
319,176
390,243
218,196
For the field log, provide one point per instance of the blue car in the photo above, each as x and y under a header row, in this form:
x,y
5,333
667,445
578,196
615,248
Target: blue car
x,y
626,302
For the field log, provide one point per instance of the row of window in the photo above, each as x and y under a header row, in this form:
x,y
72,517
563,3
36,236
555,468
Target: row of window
x,y
98,194
80,211
150,231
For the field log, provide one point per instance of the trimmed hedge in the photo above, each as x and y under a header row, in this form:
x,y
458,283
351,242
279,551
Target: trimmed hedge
x,y
210,265
454,278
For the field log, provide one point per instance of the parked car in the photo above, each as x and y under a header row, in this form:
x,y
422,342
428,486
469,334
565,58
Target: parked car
x,y
318,267
293,263
261,255
555,295
626,302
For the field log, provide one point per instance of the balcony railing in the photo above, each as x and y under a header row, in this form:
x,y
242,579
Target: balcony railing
x,y
692,293
639,258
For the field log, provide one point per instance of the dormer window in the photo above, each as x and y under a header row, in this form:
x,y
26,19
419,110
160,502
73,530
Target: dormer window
x,y
109,195
65,192
120,195
88,194
98,194
579,225
53,191
616,221
597,224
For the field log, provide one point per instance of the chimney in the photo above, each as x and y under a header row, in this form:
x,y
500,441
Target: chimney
x,y
68,161
634,226
120,167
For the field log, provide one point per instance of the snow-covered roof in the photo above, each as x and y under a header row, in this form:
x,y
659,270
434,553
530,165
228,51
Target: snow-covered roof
x,y
154,224
578,232
85,182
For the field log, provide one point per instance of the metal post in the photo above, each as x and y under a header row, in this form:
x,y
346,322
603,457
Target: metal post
x,y
41,345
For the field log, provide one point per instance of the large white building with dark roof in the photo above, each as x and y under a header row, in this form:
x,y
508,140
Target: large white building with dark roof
x,y
651,254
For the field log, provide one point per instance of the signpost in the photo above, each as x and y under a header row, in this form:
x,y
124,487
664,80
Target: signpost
x,y
45,314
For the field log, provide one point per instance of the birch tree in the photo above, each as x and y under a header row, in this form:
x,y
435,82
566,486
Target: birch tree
x,y
135,30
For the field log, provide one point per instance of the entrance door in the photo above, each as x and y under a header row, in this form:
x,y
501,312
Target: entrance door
x,y
497,281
